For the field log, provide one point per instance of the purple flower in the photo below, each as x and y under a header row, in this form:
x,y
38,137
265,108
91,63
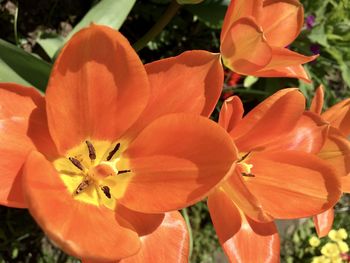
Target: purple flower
x,y
315,49
310,21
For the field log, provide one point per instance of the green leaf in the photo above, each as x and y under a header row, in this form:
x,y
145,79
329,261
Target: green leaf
x,y
343,65
9,75
107,12
50,44
318,35
211,12
249,81
20,67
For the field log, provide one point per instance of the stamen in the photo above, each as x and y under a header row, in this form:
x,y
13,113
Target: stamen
x,y
243,157
105,189
82,186
248,175
92,152
111,153
76,163
124,171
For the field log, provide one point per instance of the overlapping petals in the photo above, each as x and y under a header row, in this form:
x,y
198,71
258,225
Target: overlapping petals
x,y
335,151
175,242
242,239
22,129
100,94
278,174
255,36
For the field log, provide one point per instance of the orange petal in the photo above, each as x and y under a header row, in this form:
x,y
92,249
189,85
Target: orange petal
x,y
191,82
244,49
336,152
339,116
231,113
283,58
281,21
317,101
324,222
274,116
224,214
287,72
293,184
175,161
345,183
23,128
144,224
168,243
81,230
238,192
98,88
238,9
242,239
309,135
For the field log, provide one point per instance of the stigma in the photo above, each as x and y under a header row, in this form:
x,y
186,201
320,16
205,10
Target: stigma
x,y
244,167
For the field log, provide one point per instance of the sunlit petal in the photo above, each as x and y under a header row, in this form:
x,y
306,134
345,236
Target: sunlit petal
x,y
98,88
243,239
175,161
317,101
324,222
231,113
293,184
168,243
23,128
282,21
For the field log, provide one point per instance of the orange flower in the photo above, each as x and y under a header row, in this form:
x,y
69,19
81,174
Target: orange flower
x,y
277,175
113,145
336,150
255,34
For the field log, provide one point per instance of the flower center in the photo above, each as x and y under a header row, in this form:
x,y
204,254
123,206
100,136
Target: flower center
x,y
90,171
244,167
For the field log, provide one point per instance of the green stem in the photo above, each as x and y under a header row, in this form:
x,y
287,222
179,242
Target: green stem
x,y
158,26
188,223
15,26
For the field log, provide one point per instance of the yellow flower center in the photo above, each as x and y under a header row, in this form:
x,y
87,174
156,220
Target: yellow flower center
x,y
244,167
90,172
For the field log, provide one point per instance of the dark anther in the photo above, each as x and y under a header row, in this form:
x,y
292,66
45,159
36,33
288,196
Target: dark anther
x,y
124,171
248,175
243,157
92,152
111,153
106,191
82,186
76,163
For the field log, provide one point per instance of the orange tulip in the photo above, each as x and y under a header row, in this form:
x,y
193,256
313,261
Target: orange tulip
x,y
336,150
113,145
277,175
255,34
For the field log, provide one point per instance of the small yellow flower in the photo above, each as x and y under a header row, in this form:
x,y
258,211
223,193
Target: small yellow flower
x,y
320,259
343,247
342,233
336,260
314,241
330,250
338,235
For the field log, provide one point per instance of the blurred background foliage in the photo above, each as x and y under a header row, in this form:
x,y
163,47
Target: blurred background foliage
x,y
32,33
